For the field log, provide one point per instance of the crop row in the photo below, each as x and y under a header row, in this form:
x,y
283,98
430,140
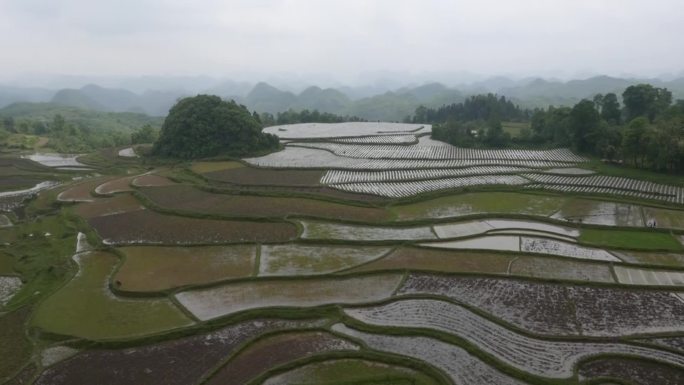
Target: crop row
x,y
607,190
346,176
303,157
613,182
458,364
442,152
345,129
553,309
381,139
545,358
411,188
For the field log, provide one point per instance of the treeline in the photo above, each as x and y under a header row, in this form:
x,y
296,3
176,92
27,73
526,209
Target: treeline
x,y
645,131
303,116
475,122
63,135
476,108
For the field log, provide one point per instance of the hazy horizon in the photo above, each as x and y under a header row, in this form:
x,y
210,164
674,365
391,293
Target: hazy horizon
x,y
332,43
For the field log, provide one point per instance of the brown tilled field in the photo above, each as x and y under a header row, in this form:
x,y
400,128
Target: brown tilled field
x,y
148,227
191,199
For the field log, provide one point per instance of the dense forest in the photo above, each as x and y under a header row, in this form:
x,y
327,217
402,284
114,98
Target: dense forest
x,y
303,116
205,126
646,131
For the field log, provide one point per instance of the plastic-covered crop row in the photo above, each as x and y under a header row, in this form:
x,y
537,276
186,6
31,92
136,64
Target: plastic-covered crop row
x,y
343,176
621,186
382,139
442,152
410,188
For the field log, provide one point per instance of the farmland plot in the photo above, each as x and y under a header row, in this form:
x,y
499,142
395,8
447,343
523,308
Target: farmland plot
x,y
277,350
544,358
464,229
610,185
155,268
551,309
151,180
601,213
676,343
344,130
411,188
147,227
458,364
346,176
5,221
118,204
409,258
636,276
631,370
265,177
55,354
9,285
349,370
334,231
304,157
564,269
377,140
569,171
15,348
527,245
190,199
56,160
10,200
176,362
664,218
232,298
293,259
442,152
651,258
128,152
100,314
81,191
479,203
116,186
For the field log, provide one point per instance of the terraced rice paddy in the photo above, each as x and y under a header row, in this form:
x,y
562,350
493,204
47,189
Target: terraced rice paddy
x,y
359,254
544,358
158,268
193,200
287,260
100,314
144,227
232,298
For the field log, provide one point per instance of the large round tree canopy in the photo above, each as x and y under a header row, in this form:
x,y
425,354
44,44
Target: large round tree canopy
x,y
205,126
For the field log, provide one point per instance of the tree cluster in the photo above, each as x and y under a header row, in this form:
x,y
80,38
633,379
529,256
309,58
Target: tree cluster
x,y
647,132
205,126
303,116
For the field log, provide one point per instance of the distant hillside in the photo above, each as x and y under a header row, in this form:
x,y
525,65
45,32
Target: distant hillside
x,y
95,120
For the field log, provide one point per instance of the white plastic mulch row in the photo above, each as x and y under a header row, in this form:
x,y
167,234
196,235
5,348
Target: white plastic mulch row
x,y
128,153
606,190
347,176
461,366
411,188
442,152
540,357
672,193
303,157
382,139
346,129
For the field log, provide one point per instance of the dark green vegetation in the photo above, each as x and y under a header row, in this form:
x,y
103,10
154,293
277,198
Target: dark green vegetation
x,y
630,240
68,129
648,132
204,126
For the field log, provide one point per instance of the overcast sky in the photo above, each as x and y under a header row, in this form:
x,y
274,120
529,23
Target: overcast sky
x,y
237,38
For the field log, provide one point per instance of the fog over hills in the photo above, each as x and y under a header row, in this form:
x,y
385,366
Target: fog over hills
x,y
381,100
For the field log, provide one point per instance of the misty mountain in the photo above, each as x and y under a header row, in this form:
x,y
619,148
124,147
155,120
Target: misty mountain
x,y
365,102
